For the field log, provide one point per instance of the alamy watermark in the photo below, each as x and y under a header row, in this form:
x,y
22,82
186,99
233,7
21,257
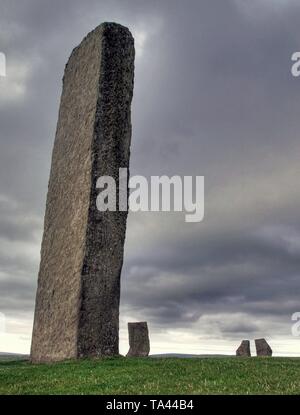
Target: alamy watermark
x,y
2,64
160,194
296,66
296,325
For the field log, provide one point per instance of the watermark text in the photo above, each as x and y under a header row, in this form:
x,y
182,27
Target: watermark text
x,y
159,194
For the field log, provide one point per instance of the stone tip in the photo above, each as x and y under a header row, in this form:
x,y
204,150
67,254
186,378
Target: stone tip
x,y
105,29
113,25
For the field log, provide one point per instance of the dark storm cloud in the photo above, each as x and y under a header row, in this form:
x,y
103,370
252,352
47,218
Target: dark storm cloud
x,y
255,272
213,96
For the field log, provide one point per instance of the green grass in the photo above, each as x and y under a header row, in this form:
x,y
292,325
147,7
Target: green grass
x,y
153,376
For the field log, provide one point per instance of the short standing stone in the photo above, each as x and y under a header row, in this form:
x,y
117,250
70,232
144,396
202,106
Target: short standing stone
x,y
244,349
139,345
262,348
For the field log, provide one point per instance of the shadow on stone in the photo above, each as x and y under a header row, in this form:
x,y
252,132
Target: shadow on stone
x,y
139,345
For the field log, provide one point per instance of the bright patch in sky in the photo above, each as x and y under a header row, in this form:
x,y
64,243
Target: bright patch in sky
x,y
13,85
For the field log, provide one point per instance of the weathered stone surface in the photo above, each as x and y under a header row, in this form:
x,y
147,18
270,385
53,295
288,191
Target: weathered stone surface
x,y
244,349
77,301
262,348
139,345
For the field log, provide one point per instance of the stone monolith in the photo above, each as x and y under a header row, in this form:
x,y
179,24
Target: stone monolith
x,y
244,349
78,293
262,348
139,344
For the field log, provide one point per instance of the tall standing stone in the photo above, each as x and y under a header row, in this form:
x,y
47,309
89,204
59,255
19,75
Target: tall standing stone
x,y
244,349
77,301
262,348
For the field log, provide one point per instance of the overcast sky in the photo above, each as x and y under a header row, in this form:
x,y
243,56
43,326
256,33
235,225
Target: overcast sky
x,y
214,96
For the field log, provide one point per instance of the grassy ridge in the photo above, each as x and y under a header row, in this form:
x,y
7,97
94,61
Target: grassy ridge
x,y
153,376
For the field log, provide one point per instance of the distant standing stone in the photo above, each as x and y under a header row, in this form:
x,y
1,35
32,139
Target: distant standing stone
x,y
244,349
138,339
262,348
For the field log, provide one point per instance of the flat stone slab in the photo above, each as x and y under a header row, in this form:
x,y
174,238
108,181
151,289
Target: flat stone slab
x,y
262,347
244,349
139,344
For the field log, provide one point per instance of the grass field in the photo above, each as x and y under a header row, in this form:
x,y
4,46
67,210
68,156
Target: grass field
x,y
153,376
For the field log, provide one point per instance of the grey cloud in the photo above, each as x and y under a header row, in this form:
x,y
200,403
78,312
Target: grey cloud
x,y
214,97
